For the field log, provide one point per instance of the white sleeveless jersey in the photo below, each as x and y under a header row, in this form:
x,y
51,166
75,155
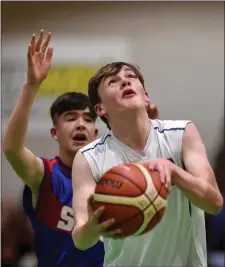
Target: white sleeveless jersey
x,y
179,239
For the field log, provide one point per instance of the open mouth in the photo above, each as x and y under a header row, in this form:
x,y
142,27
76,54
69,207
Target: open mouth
x,y
128,93
80,137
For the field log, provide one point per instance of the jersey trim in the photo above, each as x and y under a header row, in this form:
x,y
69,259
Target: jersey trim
x,y
97,144
65,168
169,129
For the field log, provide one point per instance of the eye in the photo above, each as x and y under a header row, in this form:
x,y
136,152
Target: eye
x,y
88,120
71,119
131,75
112,81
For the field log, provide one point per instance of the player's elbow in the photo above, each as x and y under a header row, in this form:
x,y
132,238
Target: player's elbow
x,y
10,149
215,201
7,148
218,204
10,153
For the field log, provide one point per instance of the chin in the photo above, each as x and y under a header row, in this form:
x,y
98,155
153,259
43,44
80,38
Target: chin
x,y
133,103
74,151
76,147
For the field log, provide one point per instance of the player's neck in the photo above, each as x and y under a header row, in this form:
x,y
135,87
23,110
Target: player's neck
x,y
133,131
66,158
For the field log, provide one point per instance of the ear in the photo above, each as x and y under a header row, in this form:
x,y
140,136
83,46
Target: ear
x,y
53,133
96,132
147,100
100,110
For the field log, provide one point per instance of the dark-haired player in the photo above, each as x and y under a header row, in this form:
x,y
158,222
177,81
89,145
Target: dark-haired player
x,y
47,197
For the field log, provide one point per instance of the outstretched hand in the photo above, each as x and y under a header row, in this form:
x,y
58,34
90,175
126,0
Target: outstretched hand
x,y
39,61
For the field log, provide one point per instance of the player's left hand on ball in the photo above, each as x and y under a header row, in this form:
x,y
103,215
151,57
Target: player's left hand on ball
x,y
102,227
164,167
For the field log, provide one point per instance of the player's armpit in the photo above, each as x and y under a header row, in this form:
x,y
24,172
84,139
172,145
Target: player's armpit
x,y
198,181
27,166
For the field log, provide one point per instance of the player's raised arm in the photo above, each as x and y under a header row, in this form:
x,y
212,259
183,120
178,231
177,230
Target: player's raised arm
x,y
27,166
199,182
87,230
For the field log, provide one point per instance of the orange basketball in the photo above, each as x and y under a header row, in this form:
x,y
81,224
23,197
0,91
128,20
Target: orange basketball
x,y
134,196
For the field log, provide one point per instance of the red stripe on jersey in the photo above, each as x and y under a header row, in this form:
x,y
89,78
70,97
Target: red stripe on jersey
x,y
50,211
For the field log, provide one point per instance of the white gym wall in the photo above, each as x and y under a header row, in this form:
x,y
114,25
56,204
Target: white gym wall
x,y
178,45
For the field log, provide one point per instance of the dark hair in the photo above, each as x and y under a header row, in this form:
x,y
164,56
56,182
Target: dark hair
x,y
71,101
104,72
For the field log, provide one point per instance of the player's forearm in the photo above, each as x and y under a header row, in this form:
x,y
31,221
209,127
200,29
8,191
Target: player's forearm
x,y
84,239
19,119
198,190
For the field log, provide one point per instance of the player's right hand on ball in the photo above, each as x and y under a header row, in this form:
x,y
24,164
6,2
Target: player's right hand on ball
x,y
39,61
100,228
164,167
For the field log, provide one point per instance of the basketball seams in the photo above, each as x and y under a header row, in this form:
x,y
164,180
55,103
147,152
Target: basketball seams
x,y
152,201
148,207
123,200
132,182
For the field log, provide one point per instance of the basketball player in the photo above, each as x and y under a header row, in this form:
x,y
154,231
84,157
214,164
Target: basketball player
x,y
118,95
47,196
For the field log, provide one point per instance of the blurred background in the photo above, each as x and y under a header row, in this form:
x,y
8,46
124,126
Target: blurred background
x,y
179,47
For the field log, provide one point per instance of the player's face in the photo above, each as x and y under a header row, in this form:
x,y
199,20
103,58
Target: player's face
x,y
74,129
121,91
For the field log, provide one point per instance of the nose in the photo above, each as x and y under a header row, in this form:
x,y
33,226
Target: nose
x,y
80,124
125,82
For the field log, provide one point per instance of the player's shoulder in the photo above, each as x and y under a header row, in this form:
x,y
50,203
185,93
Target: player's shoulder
x,y
50,164
169,125
98,144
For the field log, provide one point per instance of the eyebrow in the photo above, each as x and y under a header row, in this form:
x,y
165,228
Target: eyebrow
x,y
87,114
70,113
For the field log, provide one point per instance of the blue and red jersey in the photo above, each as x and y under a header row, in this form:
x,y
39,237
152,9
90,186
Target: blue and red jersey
x,y
52,221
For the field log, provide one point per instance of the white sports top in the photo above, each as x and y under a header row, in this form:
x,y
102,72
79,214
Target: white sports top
x,y
179,239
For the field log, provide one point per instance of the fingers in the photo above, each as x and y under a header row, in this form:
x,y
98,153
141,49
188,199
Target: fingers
x,y
49,55
167,179
107,224
96,214
45,44
39,41
113,233
104,225
90,199
33,44
90,205
160,169
153,111
40,46
29,54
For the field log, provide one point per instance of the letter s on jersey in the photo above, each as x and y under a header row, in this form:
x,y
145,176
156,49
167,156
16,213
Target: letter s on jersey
x,y
66,216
